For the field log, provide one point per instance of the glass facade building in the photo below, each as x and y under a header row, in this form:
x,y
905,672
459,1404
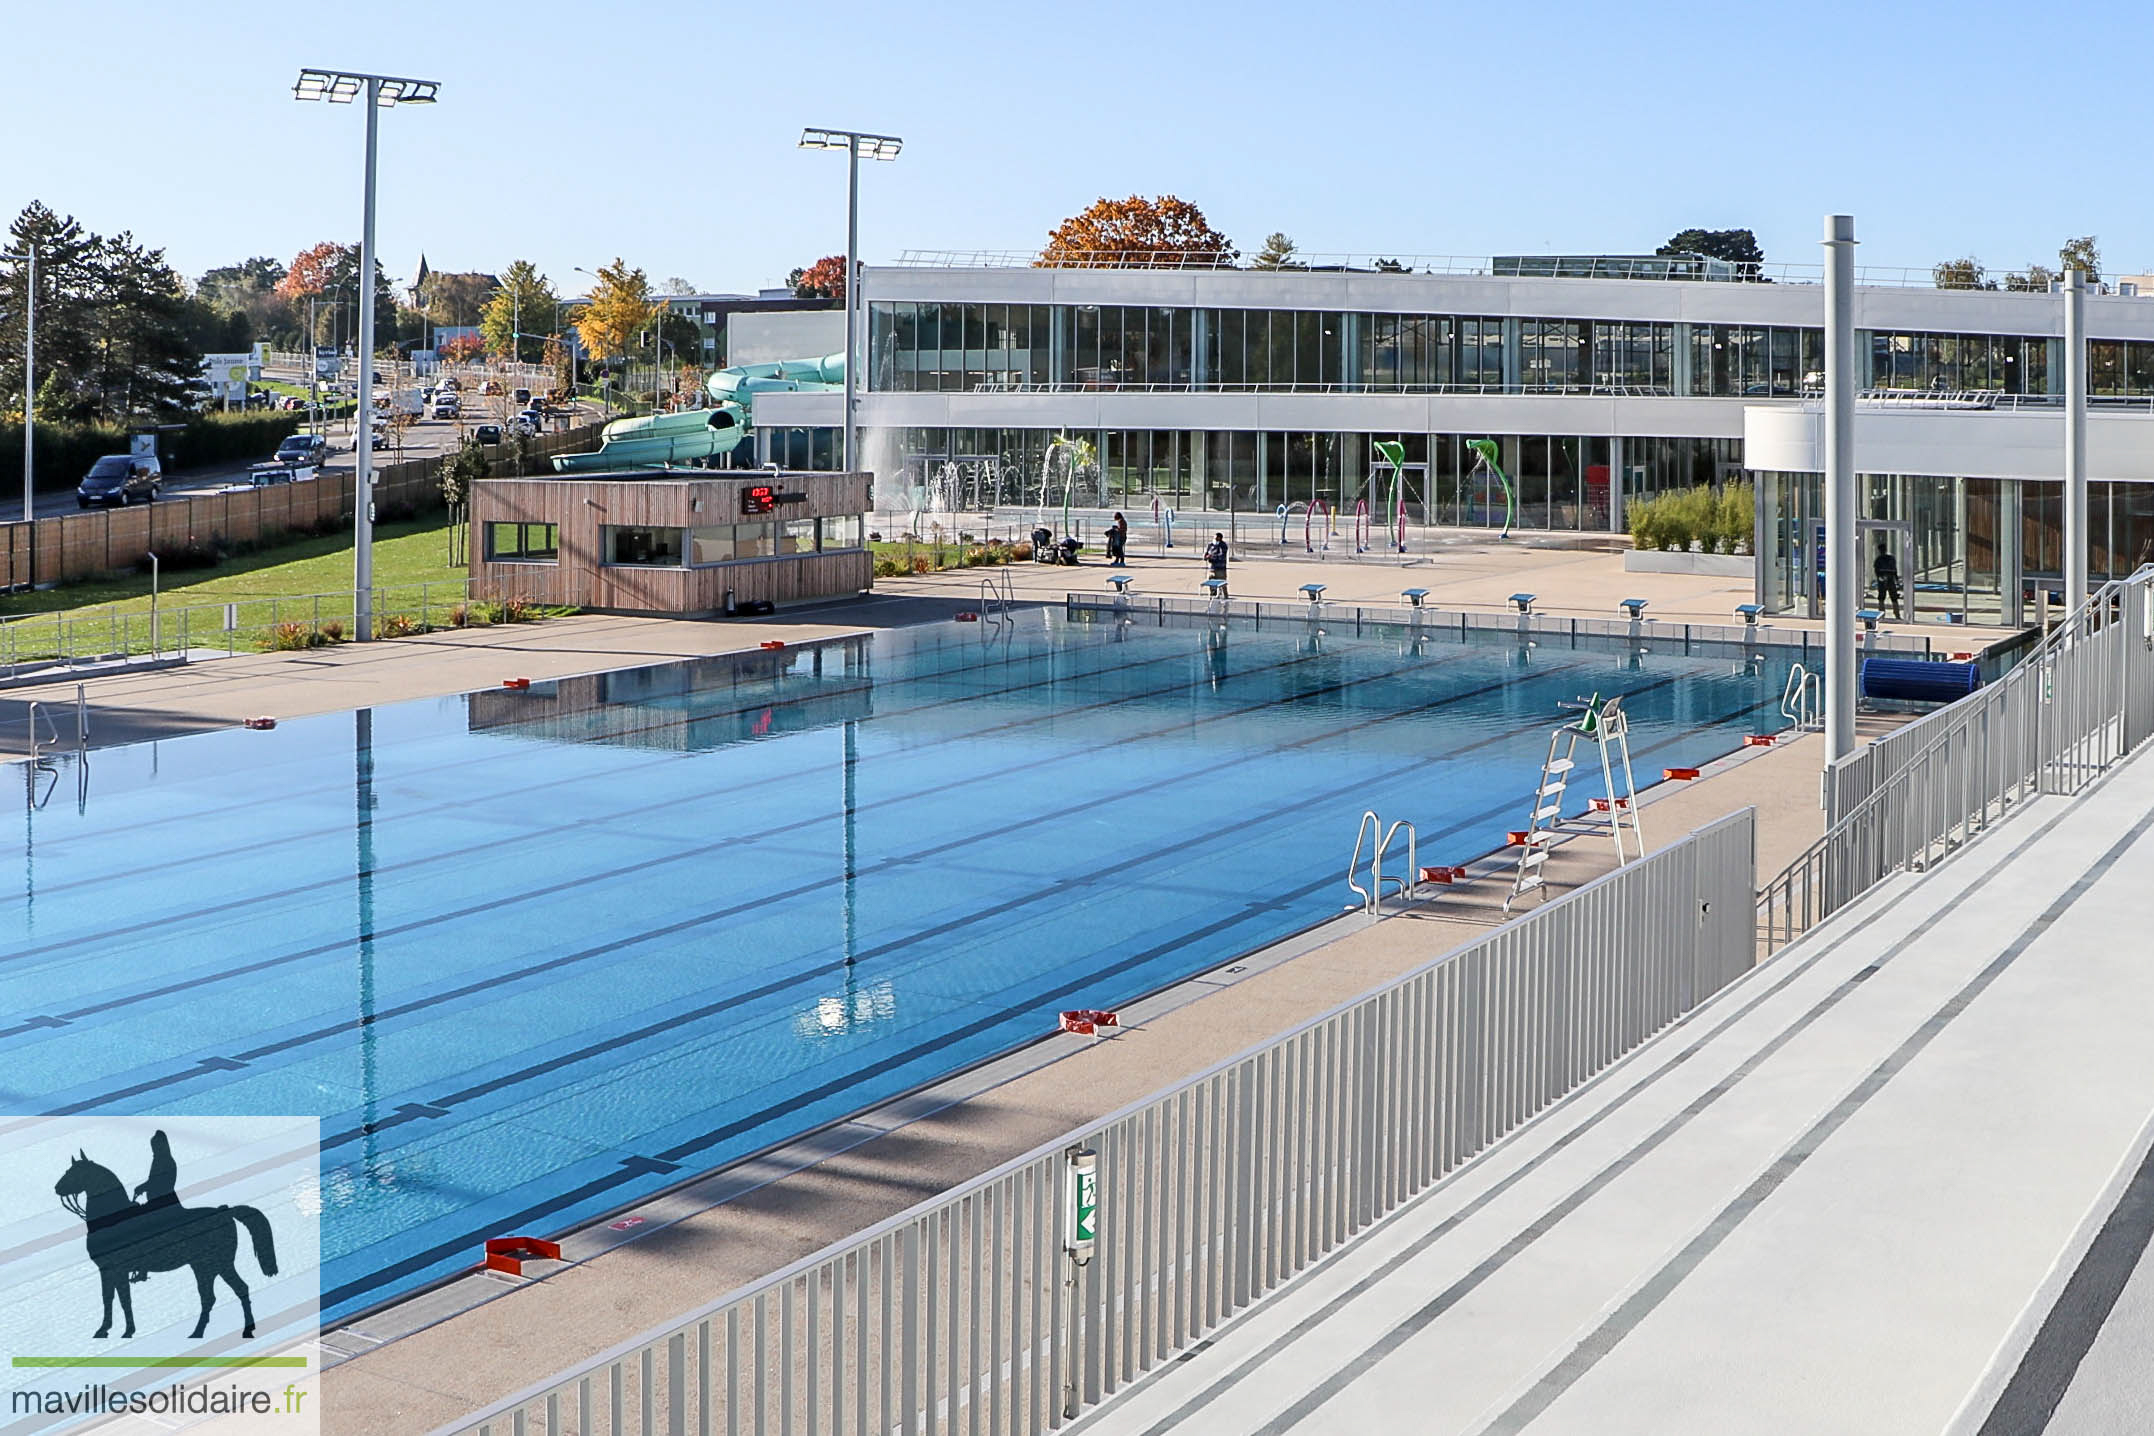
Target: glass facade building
x,y
1234,392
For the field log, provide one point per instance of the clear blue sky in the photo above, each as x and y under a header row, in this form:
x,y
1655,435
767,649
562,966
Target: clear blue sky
x,y
569,133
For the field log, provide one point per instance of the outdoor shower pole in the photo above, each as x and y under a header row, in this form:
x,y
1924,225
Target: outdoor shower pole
x,y
1843,560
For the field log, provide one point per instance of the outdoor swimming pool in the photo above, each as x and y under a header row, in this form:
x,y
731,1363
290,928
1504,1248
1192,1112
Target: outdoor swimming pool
x,y
531,955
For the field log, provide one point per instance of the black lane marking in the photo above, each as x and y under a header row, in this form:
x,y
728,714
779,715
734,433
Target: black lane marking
x,y
2045,1372
448,1250
1642,1303
730,790
793,978
765,835
512,754
1464,1287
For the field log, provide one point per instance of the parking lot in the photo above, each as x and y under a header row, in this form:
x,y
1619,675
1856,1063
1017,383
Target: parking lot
x,y
426,437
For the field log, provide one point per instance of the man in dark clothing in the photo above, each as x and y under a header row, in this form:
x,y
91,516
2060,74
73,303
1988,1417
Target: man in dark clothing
x,y
1117,540
1886,570
1215,554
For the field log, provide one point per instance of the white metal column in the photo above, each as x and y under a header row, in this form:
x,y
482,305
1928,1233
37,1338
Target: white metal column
x,y
363,420
2075,439
1617,523
1843,560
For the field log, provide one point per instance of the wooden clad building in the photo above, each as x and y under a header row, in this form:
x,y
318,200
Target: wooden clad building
x,y
671,541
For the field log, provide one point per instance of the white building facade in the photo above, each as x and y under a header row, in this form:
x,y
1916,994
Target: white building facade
x,y
1232,392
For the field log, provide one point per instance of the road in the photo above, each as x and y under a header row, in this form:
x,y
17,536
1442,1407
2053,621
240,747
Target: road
x,y
428,438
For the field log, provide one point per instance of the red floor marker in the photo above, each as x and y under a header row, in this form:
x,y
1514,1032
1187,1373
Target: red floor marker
x,y
1679,774
771,644
263,723
1757,740
517,683
510,1253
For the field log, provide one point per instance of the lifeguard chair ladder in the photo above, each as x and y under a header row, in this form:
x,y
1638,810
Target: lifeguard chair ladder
x,y
1607,727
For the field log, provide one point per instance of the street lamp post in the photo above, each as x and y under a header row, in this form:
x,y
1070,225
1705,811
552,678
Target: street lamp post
x,y
341,87
29,380
876,147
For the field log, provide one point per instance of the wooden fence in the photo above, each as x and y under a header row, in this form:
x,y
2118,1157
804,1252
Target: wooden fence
x,y
82,545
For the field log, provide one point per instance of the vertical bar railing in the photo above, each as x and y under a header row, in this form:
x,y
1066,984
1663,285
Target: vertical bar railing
x,y
967,1313
2078,704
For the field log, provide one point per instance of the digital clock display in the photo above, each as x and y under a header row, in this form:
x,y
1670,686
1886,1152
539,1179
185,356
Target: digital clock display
x,y
758,499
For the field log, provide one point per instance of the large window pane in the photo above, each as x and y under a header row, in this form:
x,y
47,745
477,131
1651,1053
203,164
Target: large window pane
x,y
644,546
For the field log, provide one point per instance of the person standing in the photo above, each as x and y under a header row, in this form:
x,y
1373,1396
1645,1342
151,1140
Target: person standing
x,y
1117,541
1215,554
1886,570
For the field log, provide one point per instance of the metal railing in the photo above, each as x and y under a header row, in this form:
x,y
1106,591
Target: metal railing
x,y
1644,268
2082,700
1802,702
1375,619
1372,896
971,1312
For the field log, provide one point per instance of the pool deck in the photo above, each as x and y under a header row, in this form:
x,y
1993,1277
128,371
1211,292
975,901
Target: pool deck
x,y
439,1356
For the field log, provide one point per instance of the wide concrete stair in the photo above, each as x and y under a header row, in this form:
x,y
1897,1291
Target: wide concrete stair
x,y
1896,1180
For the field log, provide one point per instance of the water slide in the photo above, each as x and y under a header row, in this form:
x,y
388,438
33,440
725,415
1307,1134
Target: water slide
x,y
692,435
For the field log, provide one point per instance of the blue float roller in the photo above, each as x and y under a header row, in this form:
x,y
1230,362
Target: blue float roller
x,y
1918,680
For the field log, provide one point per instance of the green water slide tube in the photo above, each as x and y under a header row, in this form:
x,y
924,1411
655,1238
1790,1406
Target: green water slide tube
x,y
1489,453
690,435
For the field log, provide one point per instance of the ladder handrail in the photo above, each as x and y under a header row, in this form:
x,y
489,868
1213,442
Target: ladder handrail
x,y
41,710
1369,820
1802,698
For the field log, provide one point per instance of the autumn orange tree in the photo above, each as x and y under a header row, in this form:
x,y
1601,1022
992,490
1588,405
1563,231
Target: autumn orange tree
x,y
824,279
1163,233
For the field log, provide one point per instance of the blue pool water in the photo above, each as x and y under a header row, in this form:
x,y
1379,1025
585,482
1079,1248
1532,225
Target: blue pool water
x,y
532,955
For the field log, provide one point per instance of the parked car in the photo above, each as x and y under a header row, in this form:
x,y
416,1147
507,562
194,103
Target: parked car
x,y
292,402
487,433
522,396
447,406
263,475
120,479
302,449
451,383
491,388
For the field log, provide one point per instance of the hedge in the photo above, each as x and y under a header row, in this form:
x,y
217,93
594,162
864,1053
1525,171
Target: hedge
x,y
66,451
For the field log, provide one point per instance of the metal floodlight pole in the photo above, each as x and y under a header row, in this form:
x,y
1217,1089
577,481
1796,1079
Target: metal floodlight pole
x,y
380,91
2075,440
29,382
880,147
1842,558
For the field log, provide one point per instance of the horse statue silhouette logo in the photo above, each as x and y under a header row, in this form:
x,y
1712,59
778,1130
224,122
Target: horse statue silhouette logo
x,y
129,1239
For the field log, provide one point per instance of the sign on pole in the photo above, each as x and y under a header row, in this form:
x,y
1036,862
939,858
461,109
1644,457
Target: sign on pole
x,y
1082,1197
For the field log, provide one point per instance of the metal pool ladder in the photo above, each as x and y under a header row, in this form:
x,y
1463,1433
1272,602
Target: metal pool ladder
x,y
1372,896
1802,703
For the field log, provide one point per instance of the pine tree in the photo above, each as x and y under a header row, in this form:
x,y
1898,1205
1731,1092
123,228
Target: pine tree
x,y
1277,253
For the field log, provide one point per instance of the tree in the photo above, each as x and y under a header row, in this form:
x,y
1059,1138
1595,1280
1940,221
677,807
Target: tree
x,y
824,279
2034,279
619,308
2083,255
247,291
329,273
116,330
463,348
1965,273
456,299
678,286
520,315
1165,233
1738,246
1277,253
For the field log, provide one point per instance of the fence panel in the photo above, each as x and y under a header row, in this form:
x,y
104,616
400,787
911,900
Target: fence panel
x,y
2079,702
1209,1195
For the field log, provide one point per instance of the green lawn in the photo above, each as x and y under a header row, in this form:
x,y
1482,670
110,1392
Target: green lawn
x,y
307,583
406,554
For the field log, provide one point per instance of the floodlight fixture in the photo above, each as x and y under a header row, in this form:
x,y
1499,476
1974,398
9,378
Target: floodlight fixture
x,y
341,87
874,147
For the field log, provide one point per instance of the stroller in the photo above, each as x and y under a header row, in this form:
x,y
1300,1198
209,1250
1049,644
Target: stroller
x,y
1046,550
